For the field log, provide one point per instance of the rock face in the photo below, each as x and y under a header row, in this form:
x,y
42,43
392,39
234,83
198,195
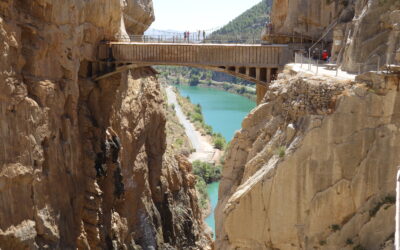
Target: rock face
x,y
303,17
138,16
363,34
314,167
83,164
371,38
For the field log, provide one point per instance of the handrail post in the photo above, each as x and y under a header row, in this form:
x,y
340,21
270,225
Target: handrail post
x,y
379,63
301,58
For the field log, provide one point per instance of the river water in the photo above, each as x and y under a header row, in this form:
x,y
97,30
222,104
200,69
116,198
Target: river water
x,y
224,112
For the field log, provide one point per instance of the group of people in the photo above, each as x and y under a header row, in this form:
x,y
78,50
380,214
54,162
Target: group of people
x,y
323,55
186,36
317,54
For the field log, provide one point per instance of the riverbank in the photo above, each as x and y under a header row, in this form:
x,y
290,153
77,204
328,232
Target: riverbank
x,y
239,89
203,149
224,112
200,141
245,91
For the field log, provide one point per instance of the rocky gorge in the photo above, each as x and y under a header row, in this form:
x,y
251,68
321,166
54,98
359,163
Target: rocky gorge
x,y
90,165
314,165
84,164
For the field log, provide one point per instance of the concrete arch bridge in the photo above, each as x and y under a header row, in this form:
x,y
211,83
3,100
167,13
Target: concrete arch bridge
x,y
253,62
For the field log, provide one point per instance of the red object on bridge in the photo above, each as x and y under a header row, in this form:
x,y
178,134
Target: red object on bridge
x,y
325,55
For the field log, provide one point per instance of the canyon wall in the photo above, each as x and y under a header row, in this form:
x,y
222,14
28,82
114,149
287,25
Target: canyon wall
x,y
363,34
83,164
305,18
314,167
369,40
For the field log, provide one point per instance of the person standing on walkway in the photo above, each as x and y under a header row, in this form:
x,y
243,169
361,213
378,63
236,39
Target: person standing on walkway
x,y
198,35
204,35
325,55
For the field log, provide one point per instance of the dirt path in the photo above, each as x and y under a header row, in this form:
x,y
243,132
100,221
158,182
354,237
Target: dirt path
x,y
204,149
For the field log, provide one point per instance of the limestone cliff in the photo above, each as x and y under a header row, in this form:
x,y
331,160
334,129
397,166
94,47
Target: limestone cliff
x,y
83,164
307,18
363,34
314,167
370,39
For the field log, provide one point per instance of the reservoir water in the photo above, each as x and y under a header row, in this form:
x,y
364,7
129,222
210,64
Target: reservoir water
x,y
224,112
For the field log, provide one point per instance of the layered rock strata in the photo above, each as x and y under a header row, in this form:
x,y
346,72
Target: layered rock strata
x,y
314,167
83,163
369,40
305,18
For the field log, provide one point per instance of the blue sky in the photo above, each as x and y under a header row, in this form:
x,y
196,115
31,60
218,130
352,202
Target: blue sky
x,y
197,14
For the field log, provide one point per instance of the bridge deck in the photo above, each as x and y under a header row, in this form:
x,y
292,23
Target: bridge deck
x,y
208,55
252,62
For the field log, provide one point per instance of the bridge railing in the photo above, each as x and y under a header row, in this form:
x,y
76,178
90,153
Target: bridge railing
x,y
376,62
180,38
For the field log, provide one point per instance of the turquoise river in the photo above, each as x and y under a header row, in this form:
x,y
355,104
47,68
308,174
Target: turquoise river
x,y
223,111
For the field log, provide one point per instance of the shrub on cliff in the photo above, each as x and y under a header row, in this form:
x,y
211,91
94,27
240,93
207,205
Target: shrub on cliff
x,y
201,188
196,117
219,141
208,129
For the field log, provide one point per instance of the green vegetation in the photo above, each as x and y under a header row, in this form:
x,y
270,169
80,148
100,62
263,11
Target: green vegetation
x,y
322,242
219,141
281,151
247,26
208,172
205,173
194,114
206,78
349,242
194,80
201,188
334,227
388,200
177,140
359,247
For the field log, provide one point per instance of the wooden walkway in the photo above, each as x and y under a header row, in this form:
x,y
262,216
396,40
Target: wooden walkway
x,y
257,63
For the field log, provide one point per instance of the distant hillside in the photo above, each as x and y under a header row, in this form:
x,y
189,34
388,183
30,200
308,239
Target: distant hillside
x,y
247,25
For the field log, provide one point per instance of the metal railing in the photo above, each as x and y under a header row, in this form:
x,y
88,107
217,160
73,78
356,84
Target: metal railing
x,y
314,65
180,38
